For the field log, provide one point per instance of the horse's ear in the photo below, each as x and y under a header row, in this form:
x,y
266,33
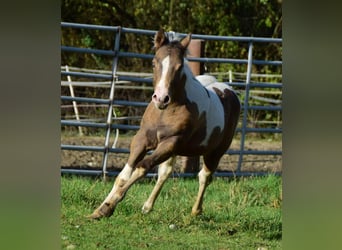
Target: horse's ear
x,y
160,39
186,41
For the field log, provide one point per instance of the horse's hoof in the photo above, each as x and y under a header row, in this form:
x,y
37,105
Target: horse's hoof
x,y
95,216
196,212
104,211
145,210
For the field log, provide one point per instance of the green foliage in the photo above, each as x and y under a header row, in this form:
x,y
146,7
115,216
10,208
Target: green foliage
x,y
240,213
261,18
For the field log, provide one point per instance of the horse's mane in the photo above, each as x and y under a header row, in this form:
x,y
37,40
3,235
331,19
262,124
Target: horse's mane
x,y
174,40
173,36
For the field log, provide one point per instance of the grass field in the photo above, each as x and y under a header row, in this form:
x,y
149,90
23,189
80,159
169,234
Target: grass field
x,y
242,213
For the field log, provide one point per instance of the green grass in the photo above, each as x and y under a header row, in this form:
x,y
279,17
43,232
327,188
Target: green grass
x,y
242,213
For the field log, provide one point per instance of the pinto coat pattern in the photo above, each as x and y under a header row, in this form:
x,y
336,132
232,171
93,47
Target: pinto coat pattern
x,y
187,116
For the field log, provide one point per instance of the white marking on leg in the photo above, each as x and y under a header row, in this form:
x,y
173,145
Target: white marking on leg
x,y
120,180
164,171
126,172
203,179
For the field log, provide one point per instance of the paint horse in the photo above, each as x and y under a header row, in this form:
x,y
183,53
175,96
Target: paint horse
x,y
186,117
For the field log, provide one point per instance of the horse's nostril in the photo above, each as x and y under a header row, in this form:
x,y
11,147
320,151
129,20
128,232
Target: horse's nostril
x,y
154,96
167,99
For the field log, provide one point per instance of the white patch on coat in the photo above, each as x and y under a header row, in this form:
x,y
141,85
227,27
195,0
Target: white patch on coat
x,y
210,81
206,80
207,100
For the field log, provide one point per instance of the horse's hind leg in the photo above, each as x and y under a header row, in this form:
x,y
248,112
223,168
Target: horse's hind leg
x,y
164,171
204,179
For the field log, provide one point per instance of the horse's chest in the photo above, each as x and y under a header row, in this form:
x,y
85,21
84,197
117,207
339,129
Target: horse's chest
x,y
173,124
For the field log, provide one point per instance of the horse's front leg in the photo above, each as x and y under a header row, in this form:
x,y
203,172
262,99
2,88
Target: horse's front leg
x,y
138,151
163,151
162,154
107,207
164,171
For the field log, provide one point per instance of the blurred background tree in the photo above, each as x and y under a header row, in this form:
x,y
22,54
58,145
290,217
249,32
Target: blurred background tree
x,y
258,18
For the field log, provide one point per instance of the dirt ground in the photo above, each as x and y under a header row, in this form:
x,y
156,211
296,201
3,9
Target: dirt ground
x,y
93,160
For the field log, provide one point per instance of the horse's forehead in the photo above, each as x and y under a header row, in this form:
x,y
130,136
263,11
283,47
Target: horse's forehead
x,y
173,53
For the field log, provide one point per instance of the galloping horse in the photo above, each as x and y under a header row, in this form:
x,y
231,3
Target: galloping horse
x,y
187,116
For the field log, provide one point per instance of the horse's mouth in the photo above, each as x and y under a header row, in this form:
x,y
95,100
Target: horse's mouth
x,y
160,105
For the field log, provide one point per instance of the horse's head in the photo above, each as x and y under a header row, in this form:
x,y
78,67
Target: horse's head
x,y
167,69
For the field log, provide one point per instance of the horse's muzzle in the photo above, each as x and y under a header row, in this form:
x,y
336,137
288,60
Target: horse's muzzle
x,y
161,102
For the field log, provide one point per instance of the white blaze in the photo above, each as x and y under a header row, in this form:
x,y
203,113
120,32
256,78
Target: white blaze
x,y
161,85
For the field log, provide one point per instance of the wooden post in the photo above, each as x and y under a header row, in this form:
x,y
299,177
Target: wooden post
x,y
196,49
74,104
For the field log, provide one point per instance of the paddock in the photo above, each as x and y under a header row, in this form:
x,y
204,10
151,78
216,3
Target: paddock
x,y
251,86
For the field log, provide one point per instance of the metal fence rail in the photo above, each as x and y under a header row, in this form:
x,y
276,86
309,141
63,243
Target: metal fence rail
x,y
113,78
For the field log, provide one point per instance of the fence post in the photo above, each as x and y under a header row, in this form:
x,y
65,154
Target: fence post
x,y
196,49
245,105
110,106
230,76
74,104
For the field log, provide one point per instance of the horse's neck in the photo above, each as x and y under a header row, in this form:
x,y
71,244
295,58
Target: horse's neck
x,y
190,78
193,88
187,70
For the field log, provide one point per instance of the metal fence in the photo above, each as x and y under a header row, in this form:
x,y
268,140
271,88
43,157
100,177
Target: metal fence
x,y
113,77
